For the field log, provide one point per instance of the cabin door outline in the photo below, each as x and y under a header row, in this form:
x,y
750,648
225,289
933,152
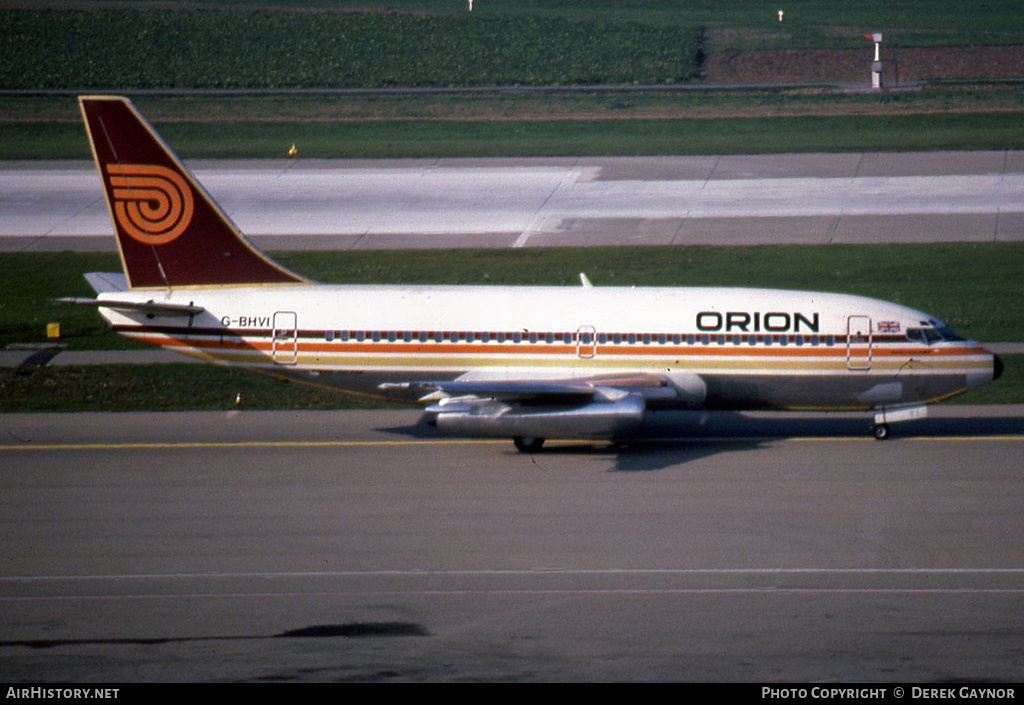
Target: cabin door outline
x,y
285,338
858,342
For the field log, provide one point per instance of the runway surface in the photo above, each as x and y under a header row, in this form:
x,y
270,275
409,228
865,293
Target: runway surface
x,y
343,546
795,198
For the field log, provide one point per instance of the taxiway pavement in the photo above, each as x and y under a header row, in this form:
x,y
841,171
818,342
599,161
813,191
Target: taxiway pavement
x,y
728,200
291,546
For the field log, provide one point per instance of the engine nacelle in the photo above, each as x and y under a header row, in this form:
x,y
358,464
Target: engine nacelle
x,y
622,418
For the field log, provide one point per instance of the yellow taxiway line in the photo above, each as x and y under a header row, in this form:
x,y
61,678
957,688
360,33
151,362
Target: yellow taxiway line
x,y
201,445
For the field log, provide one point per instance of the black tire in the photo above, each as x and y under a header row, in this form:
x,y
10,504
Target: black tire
x,y
881,431
528,444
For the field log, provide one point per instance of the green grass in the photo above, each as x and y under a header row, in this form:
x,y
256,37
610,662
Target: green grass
x,y
435,43
231,48
433,139
160,387
751,23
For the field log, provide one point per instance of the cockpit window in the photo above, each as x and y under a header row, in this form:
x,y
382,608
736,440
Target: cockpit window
x,y
930,336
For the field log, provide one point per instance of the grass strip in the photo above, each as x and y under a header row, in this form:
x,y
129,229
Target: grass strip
x,y
159,387
495,138
267,48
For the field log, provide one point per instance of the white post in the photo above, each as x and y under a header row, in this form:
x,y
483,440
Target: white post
x,y
876,66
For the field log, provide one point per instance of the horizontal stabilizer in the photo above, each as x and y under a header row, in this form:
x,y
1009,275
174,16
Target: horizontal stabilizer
x,y
156,308
104,282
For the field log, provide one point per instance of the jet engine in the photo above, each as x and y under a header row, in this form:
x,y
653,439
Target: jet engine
x,y
598,419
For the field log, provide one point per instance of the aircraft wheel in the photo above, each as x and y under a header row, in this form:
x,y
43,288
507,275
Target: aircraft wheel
x,y
528,444
881,431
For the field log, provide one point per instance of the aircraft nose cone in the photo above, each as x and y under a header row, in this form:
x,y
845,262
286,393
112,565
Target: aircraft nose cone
x,y
997,367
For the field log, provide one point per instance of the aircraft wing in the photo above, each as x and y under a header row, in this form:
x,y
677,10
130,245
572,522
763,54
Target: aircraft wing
x,y
527,392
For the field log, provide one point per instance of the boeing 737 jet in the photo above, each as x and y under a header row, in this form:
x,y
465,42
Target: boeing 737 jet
x,y
523,362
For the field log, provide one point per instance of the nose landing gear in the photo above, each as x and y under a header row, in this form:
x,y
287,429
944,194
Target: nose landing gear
x,y
883,416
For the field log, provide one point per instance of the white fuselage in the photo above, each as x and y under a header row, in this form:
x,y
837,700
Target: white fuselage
x,y
720,347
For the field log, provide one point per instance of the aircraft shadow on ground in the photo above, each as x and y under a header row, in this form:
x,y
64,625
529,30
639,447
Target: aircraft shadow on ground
x,y
677,438
642,455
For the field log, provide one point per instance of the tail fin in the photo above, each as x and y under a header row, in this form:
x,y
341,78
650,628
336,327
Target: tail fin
x,y
170,232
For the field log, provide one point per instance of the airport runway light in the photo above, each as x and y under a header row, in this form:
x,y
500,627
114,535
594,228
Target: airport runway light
x,y
293,151
780,15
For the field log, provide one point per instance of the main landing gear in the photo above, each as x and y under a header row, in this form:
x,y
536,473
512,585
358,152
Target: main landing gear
x,y
528,444
881,431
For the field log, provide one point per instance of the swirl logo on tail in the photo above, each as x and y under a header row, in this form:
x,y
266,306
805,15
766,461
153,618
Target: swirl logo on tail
x,y
152,203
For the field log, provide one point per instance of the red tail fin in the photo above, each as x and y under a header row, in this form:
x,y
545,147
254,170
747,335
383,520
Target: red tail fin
x,y
170,232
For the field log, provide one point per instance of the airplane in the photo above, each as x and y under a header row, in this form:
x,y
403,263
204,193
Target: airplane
x,y
523,362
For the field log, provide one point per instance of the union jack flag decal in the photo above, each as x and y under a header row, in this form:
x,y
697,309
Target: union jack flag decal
x,y
888,326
